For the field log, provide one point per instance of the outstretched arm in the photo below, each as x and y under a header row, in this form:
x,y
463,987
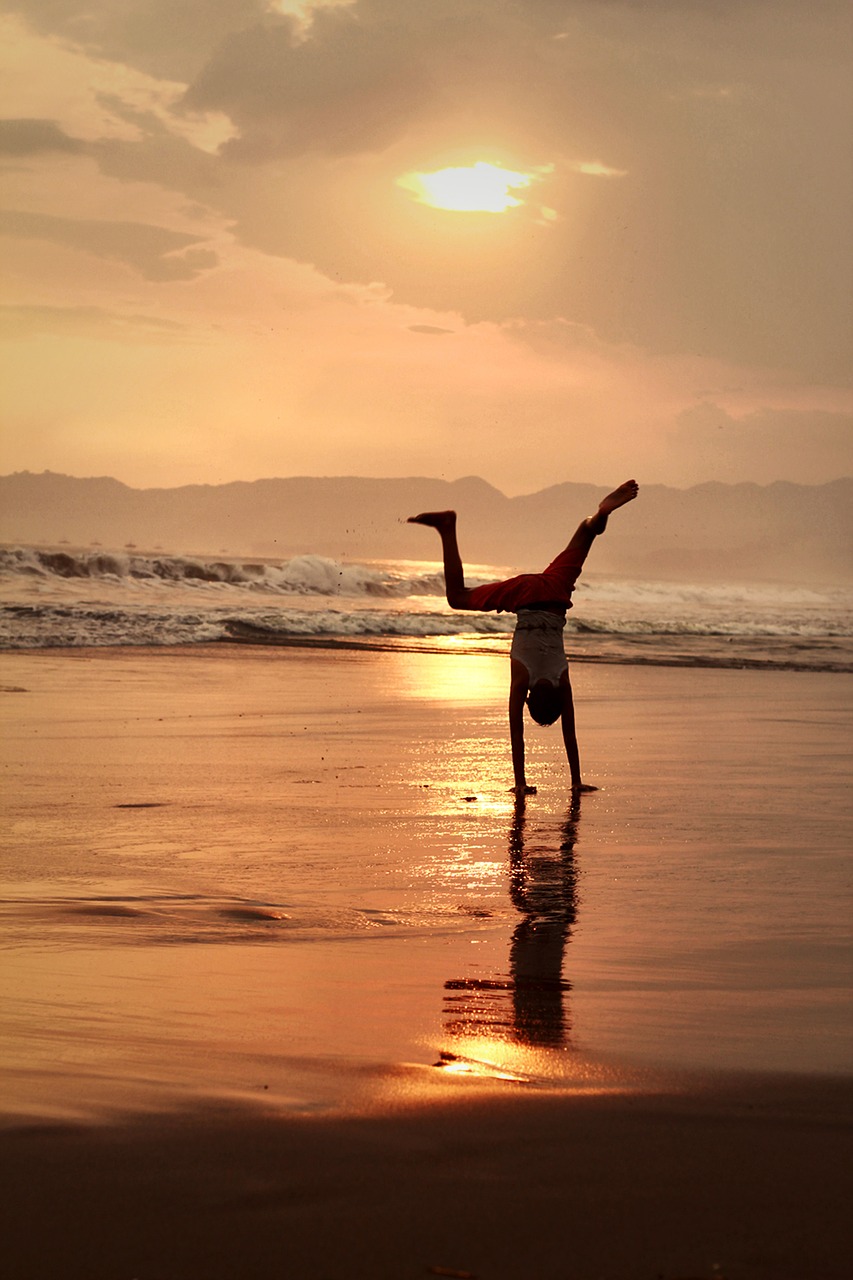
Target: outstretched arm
x,y
570,740
458,596
517,694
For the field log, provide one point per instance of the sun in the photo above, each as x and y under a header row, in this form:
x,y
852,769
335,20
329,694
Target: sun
x,y
476,188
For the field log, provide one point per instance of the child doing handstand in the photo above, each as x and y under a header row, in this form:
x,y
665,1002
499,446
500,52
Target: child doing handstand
x,y
539,669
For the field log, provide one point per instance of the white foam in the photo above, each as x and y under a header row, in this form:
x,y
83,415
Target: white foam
x,y
99,598
301,575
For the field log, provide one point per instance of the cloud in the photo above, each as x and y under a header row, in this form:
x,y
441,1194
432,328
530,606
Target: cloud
x,y
21,323
712,253
91,98
348,86
159,156
561,342
155,252
804,445
29,137
160,37
597,169
675,256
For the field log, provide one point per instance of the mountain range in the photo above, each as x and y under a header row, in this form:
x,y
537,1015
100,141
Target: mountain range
x,y
745,532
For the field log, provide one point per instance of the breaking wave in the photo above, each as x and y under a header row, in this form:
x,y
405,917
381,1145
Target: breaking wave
x,y
301,575
94,598
49,626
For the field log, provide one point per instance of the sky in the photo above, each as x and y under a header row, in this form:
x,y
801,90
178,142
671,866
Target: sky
x,y
531,240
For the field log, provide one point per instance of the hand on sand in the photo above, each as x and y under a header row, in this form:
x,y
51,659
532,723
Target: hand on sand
x,y
580,787
523,790
626,492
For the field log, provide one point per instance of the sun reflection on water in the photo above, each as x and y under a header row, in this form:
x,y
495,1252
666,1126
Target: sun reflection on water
x,y
503,1062
473,678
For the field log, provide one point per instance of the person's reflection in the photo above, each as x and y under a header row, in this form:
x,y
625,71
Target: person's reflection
x,y
528,1007
543,887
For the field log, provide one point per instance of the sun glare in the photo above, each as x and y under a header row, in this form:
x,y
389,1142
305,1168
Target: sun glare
x,y
477,188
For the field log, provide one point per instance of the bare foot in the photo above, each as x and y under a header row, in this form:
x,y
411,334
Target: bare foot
x,y
523,790
434,519
626,492
583,787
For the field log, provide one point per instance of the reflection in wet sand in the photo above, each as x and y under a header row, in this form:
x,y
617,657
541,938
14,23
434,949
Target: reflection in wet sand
x,y
527,1006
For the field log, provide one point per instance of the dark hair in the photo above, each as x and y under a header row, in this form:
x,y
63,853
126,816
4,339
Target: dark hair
x,y
545,702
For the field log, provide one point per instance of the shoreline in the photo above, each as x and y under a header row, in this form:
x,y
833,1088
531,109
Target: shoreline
x,y
476,645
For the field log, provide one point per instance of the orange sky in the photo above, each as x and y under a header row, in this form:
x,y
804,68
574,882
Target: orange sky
x,y
213,271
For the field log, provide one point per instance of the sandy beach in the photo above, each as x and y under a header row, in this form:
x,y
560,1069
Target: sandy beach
x,y
290,986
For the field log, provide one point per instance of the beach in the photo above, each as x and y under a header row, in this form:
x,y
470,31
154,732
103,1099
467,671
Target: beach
x,y
292,986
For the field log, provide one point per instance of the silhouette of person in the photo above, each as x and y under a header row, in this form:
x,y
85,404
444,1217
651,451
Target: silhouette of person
x,y
539,672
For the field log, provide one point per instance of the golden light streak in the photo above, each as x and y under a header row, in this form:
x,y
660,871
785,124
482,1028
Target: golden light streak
x,y
478,188
597,169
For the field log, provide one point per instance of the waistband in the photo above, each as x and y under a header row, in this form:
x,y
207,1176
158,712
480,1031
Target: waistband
x,y
539,619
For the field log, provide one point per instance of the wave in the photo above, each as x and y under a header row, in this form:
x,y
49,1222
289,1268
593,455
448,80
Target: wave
x,y
71,598
93,625
743,626
315,575
31,627
53,626
301,575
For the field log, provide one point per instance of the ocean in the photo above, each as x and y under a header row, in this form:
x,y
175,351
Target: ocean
x,y
68,597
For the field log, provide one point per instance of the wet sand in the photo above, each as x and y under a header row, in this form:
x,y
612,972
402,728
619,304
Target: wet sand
x,y
251,899
741,1182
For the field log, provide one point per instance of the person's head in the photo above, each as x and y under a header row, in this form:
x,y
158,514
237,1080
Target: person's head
x,y
545,702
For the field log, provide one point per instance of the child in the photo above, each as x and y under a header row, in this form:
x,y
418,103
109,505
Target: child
x,y
539,669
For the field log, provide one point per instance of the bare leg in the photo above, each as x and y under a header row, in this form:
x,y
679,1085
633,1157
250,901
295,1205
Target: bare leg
x,y
580,545
626,492
588,529
454,577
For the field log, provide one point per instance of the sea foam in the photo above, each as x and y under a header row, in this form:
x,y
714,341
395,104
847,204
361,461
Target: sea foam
x,y
95,598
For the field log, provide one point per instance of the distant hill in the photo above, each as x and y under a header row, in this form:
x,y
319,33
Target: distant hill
x,y
781,531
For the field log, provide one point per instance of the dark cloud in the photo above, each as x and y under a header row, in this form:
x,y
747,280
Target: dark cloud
x,y
349,86
164,38
155,252
23,136
158,155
